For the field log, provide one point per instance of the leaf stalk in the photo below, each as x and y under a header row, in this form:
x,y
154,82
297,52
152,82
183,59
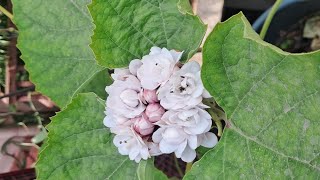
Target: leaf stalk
x,y
270,16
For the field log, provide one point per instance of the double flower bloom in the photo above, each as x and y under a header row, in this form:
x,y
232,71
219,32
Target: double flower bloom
x,y
155,107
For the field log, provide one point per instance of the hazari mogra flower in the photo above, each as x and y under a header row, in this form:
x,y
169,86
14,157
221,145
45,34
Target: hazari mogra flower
x,y
155,107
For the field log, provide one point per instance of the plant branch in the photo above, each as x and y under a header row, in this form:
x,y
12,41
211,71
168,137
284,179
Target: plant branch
x,y
18,92
266,24
6,12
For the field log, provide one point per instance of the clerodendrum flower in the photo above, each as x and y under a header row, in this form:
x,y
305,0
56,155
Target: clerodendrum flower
x,y
124,96
157,67
184,89
154,107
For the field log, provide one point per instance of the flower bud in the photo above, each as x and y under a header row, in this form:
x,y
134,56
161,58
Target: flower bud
x,y
154,112
142,125
150,96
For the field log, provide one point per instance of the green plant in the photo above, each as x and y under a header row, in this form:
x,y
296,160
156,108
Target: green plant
x,y
270,97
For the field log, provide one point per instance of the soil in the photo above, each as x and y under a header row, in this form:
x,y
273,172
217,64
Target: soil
x,y
292,40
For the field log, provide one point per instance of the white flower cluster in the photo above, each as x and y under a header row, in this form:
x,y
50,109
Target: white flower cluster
x,y
155,107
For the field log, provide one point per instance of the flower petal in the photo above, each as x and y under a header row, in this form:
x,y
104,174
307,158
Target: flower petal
x,y
108,122
180,149
188,155
176,55
155,50
193,142
167,147
157,135
134,66
209,140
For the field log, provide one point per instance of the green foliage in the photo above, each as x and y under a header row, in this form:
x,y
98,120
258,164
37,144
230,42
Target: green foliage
x,y
147,171
271,97
80,147
127,29
98,84
53,39
272,102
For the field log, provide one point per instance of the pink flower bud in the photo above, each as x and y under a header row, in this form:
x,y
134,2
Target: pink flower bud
x,y
154,112
150,96
142,125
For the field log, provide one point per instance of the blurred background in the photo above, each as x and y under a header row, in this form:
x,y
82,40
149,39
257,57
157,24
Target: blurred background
x,y
24,112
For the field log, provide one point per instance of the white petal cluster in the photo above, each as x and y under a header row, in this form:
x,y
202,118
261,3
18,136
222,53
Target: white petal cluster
x,y
154,107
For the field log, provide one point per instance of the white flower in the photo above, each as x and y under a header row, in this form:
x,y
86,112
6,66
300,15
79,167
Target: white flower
x,y
130,143
114,121
193,121
142,125
174,139
134,66
153,148
184,89
154,112
120,74
208,140
124,96
154,92
157,67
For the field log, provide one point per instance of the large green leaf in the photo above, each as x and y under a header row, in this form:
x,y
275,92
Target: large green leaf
x,y
272,101
80,147
127,29
54,41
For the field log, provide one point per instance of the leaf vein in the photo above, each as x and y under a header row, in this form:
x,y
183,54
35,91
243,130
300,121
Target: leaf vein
x,y
223,61
163,23
143,35
273,150
251,160
118,167
278,116
256,83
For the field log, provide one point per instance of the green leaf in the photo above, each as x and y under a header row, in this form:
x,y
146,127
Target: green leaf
x,y
147,171
80,147
127,29
272,102
54,41
185,6
98,84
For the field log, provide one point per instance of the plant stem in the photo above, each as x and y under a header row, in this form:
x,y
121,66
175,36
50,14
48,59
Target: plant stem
x,y
220,113
6,12
266,24
188,167
177,166
216,120
216,114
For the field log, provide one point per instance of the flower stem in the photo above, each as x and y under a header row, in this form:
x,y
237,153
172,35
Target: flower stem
x,y
6,12
266,24
188,167
216,120
216,114
177,166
